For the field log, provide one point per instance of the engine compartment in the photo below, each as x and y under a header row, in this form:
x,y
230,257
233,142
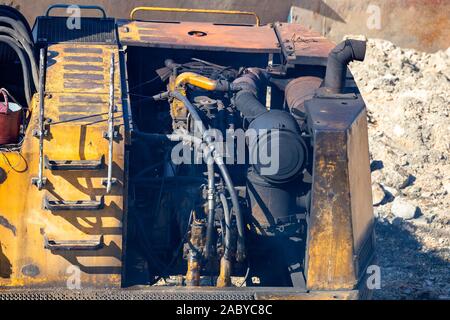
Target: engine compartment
x,y
184,227
187,155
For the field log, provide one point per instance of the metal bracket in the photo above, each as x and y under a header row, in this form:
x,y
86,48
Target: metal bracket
x,y
71,245
112,133
74,164
40,181
287,46
189,10
82,205
66,6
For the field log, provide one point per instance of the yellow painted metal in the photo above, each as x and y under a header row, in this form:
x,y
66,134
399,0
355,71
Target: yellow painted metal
x,y
79,120
339,227
224,279
177,109
65,77
186,10
195,80
310,295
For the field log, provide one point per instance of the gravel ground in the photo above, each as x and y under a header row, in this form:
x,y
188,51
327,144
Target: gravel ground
x,y
407,95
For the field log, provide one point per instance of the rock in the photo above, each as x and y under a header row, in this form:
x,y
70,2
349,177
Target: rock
x,y
397,179
378,194
394,192
447,187
401,208
376,176
376,165
407,94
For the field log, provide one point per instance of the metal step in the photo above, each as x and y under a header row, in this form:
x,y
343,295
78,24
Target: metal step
x,y
72,245
61,205
74,164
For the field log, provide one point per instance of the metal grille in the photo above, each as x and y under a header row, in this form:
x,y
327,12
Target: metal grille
x,y
120,294
92,30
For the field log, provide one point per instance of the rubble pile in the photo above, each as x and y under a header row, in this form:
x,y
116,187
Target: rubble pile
x,y
407,93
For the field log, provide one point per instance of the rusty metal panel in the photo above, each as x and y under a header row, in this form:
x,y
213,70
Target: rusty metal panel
x,y
301,45
177,293
332,260
198,35
330,242
360,189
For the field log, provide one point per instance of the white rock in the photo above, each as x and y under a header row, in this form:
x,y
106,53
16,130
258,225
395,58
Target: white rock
x,y
378,194
401,208
394,192
447,187
399,131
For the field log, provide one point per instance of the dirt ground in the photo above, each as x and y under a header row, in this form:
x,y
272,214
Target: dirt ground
x,y
407,95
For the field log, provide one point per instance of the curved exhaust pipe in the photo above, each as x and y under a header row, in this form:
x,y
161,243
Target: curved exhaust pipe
x,y
338,60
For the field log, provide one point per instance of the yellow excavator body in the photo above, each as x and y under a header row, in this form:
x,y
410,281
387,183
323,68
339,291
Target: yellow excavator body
x,y
70,210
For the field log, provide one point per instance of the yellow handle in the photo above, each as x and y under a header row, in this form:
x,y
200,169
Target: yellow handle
x,y
232,12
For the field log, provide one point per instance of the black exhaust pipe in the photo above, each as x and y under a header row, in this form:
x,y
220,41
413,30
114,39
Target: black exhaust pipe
x,y
338,60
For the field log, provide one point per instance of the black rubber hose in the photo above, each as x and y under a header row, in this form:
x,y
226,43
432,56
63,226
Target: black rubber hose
x,y
19,27
210,235
240,255
250,86
338,60
227,215
210,164
27,48
8,11
224,172
226,177
15,45
192,110
248,104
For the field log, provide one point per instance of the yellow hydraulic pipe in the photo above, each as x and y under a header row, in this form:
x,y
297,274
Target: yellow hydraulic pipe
x,y
230,12
195,80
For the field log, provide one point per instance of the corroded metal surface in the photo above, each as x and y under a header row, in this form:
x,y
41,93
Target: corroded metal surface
x,y
76,104
198,35
134,12
341,218
80,68
420,24
177,293
301,45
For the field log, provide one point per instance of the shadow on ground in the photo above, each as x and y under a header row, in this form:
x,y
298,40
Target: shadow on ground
x,y
407,271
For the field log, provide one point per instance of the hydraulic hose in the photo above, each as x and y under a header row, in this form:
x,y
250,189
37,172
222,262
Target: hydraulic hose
x,y
240,256
210,165
227,215
209,249
27,48
192,110
15,45
19,27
